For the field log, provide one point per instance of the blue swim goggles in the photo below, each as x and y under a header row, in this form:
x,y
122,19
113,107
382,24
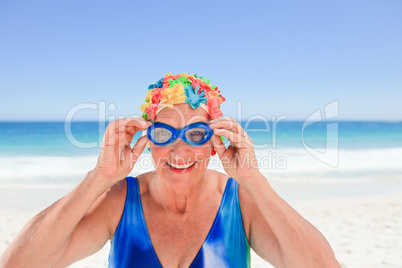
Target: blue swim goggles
x,y
194,134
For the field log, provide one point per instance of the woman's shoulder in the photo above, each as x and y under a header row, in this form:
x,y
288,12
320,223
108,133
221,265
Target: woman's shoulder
x,y
145,176
143,181
218,178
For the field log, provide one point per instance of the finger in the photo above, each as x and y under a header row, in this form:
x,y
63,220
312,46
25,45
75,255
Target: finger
x,y
229,124
111,133
234,138
138,147
125,129
218,145
135,124
129,125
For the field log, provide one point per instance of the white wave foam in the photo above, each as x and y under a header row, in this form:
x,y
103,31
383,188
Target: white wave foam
x,y
352,164
286,164
33,168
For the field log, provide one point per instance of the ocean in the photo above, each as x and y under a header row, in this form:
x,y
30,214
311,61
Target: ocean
x,y
47,153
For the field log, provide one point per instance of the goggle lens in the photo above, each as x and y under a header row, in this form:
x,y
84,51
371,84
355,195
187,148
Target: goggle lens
x,y
161,135
195,135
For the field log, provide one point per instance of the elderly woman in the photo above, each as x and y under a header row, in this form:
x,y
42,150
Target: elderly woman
x,y
181,214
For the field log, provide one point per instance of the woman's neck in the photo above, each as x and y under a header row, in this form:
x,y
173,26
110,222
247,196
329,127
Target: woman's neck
x,y
177,196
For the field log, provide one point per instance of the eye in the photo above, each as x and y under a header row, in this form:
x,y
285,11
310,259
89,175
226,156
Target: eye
x,y
196,135
162,135
163,132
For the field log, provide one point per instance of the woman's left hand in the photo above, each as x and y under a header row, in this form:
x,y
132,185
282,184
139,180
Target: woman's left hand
x,y
238,160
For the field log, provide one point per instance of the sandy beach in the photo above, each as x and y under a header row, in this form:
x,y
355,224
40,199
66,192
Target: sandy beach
x,y
364,230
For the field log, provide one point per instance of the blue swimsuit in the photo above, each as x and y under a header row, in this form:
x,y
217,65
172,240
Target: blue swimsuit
x,y
225,246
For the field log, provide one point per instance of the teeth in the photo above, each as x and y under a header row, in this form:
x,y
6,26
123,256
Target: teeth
x,y
182,166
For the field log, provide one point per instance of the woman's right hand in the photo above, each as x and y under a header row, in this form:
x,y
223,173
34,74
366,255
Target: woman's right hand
x,y
117,158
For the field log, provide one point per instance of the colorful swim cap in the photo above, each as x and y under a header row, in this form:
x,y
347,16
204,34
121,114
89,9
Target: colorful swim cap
x,y
171,89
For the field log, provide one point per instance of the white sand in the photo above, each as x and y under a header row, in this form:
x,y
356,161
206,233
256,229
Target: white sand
x,y
364,231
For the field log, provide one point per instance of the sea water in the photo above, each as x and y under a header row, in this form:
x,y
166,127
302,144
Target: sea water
x,y
287,151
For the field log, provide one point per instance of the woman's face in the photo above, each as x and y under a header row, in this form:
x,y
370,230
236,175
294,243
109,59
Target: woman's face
x,y
180,160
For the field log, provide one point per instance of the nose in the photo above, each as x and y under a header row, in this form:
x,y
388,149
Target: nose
x,y
180,147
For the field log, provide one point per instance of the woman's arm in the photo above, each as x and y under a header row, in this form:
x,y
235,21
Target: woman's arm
x,y
275,230
45,238
80,223
278,233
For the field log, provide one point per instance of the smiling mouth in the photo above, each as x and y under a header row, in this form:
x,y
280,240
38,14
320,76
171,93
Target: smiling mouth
x,y
188,165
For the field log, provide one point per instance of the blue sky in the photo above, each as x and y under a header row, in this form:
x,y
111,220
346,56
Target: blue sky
x,y
286,58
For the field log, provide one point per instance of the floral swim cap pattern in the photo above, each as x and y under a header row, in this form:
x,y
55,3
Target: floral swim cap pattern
x,y
171,89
